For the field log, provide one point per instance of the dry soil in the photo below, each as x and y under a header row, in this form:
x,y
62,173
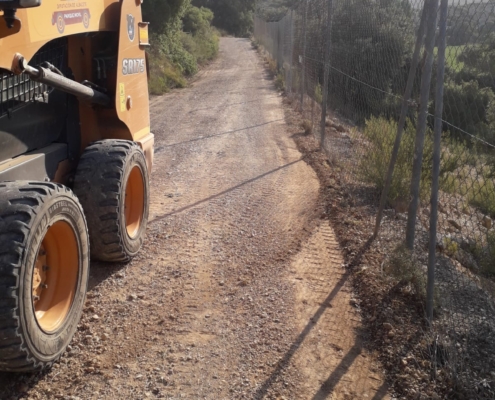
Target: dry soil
x,y
240,291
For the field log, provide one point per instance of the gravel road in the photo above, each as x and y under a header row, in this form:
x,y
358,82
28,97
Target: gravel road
x,y
239,292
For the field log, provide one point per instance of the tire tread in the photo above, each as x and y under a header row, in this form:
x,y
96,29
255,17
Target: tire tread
x,y
18,208
98,184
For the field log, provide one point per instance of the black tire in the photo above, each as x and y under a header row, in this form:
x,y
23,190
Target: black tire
x,y
28,211
100,184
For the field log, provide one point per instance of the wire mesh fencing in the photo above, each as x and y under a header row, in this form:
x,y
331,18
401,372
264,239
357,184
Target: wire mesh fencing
x,y
384,77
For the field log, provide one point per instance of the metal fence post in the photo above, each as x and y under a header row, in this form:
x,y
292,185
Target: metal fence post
x,y
303,77
326,78
442,39
291,51
403,114
421,126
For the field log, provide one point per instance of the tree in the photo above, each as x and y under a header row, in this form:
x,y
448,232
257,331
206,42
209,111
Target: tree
x,y
197,20
274,10
164,15
233,16
372,42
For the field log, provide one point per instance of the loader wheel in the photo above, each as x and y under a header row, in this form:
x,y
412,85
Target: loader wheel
x,y
86,19
113,187
44,268
60,23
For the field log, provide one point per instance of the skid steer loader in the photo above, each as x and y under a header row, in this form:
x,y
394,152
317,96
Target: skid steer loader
x,y
76,153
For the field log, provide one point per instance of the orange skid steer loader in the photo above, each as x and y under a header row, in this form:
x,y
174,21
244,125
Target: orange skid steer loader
x,y
76,153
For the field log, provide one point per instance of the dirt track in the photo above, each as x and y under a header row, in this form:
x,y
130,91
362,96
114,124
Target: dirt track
x,y
239,291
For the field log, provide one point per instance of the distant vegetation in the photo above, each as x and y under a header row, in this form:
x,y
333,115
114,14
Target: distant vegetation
x,y
274,10
182,40
235,17
372,45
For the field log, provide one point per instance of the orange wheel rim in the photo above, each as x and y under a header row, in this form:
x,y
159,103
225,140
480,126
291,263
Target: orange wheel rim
x,y
55,276
134,202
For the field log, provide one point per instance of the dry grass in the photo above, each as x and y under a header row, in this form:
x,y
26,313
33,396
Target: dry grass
x,y
307,126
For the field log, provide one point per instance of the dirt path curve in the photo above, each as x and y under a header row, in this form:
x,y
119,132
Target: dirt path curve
x,y
238,293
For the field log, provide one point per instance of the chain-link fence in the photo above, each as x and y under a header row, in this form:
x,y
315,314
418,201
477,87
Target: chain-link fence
x,y
402,96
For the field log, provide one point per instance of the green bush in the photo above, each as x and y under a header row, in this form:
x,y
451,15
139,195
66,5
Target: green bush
x,y
478,189
197,20
164,16
371,42
202,47
199,38
318,94
483,250
481,194
488,256
403,267
471,108
280,82
469,172
163,74
175,55
233,16
374,163
272,66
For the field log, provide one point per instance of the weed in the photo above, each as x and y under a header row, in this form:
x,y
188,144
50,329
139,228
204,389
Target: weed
x,y
272,66
486,255
403,267
451,247
470,174
318,94
163,75
177,55
373,167
280,82
307,126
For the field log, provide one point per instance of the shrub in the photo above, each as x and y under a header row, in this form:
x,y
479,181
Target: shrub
x,y
469,173
471,108
307,126
318,94
201,48
199,38
363,32
374,164
403,267
451,247
176,54
280,82
197,20
163,74
482,195
488,256
272,66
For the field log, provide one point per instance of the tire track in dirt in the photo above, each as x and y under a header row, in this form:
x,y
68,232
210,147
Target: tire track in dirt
x,y
330,324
